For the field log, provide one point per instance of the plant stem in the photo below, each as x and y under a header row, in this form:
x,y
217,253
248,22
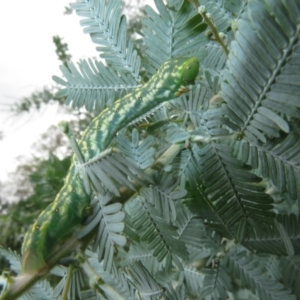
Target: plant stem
x,y
68,283
215,32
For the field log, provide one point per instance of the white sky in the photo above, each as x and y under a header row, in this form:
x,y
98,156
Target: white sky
x,y
27,63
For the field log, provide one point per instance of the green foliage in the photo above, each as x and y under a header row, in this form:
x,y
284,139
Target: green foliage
x,y
61,50
35,100
93,85
208,184
47,179
253,275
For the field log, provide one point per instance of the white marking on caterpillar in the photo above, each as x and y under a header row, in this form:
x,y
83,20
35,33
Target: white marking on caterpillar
x,y
167,93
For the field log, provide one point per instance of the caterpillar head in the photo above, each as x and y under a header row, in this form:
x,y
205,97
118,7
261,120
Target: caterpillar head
x,y
178,73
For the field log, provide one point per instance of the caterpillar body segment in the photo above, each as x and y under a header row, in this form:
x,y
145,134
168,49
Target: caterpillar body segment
x,y
71,205
165,85
69,209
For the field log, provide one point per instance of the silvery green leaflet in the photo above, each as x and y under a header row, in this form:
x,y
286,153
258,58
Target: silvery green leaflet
x,y
71,205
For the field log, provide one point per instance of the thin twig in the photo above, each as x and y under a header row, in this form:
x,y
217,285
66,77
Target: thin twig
x,y
202,12
68,283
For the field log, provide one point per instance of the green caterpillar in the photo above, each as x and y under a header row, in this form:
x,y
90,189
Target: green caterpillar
x,y
70,206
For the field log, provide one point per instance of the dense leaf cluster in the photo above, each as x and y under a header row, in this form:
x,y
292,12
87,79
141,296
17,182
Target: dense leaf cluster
x,y
198,199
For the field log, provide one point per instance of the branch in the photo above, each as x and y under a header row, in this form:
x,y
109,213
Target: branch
x,y
207,19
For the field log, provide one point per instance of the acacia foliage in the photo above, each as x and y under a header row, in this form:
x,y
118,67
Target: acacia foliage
x,y
220,218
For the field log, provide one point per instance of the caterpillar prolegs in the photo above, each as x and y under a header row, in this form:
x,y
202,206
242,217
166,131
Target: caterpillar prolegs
x,y
71,204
